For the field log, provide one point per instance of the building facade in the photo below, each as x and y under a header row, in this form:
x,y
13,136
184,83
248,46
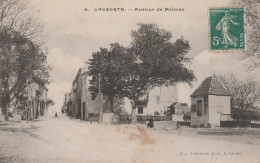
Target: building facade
x,y
36,100
78,102
208,102
157,100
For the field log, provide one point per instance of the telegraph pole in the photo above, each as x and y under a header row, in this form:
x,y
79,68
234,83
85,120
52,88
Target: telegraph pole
x,y
100,99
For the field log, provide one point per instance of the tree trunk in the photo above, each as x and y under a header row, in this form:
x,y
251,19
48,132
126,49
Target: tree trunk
x,y
112,105
6,109
134,117
37,109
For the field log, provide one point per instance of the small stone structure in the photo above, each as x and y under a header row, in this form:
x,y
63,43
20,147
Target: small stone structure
x,y
208,102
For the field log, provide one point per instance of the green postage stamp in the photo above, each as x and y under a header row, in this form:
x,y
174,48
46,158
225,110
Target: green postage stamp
x,y
227,29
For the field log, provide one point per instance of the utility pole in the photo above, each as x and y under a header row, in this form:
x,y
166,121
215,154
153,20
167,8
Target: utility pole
x,y
100,99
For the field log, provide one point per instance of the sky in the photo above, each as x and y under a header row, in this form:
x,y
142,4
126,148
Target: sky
x,y
73,34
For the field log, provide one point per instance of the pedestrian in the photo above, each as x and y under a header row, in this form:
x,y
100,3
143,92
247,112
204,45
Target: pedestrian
x,y
56,115
127,120
150,123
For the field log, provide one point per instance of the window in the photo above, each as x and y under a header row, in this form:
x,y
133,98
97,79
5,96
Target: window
x,y
140,110
199,108
206,100
193,108
158,99
220,109
205,109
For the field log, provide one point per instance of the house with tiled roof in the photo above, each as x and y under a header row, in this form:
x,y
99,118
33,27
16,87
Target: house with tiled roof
x,y
208,102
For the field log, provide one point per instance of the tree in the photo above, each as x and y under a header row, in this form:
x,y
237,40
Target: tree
x,y
15,17
153,60
244,93
21,63
252,15
22,58
109,64
118,105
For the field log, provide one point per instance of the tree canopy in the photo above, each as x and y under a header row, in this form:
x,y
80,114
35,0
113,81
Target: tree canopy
x,y
108,63
152,59
22,58
155,61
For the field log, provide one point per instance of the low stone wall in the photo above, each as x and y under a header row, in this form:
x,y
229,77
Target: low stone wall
x,y
110,118
107,118
165,125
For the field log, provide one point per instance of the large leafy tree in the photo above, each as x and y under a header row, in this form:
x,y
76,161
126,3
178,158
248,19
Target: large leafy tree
x,y
151,60
21,62
118,105
109,64
22,58
154,60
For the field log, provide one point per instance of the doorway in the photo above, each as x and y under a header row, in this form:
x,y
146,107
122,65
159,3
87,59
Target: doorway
x,y
79,108
84,110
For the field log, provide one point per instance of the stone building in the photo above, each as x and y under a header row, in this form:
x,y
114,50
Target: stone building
x,y
208,102
79,101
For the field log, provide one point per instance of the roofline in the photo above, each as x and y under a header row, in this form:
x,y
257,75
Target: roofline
x,y
218,94
209,94
210,85
200,85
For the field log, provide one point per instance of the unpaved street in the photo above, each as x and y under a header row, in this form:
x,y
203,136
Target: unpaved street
x,y
70,140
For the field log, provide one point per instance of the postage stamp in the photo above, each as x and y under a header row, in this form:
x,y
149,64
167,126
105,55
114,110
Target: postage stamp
x,y
227,29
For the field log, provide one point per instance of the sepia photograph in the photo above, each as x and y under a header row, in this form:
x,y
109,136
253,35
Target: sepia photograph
x,y
120,81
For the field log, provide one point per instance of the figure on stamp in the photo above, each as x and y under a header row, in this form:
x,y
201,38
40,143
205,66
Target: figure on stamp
x,y
224,24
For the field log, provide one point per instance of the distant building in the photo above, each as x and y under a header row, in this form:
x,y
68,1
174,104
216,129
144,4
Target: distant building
x,y
78,102
157,100
65,107
42,99
208,102
179,108
36,94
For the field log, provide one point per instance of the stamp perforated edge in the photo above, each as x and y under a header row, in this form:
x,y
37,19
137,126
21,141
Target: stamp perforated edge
x,y
209,39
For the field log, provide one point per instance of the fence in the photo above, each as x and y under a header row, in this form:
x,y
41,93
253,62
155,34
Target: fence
x,y
93,118
255,121
237,117
238,120
126,119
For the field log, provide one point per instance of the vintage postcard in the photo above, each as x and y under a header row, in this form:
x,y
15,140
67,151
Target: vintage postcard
x,y
129,81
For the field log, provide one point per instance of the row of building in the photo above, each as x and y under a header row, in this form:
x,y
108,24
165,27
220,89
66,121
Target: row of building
x,y
208,102
78,102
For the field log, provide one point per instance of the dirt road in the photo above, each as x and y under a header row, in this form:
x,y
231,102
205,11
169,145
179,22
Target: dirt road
x,y
65,140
